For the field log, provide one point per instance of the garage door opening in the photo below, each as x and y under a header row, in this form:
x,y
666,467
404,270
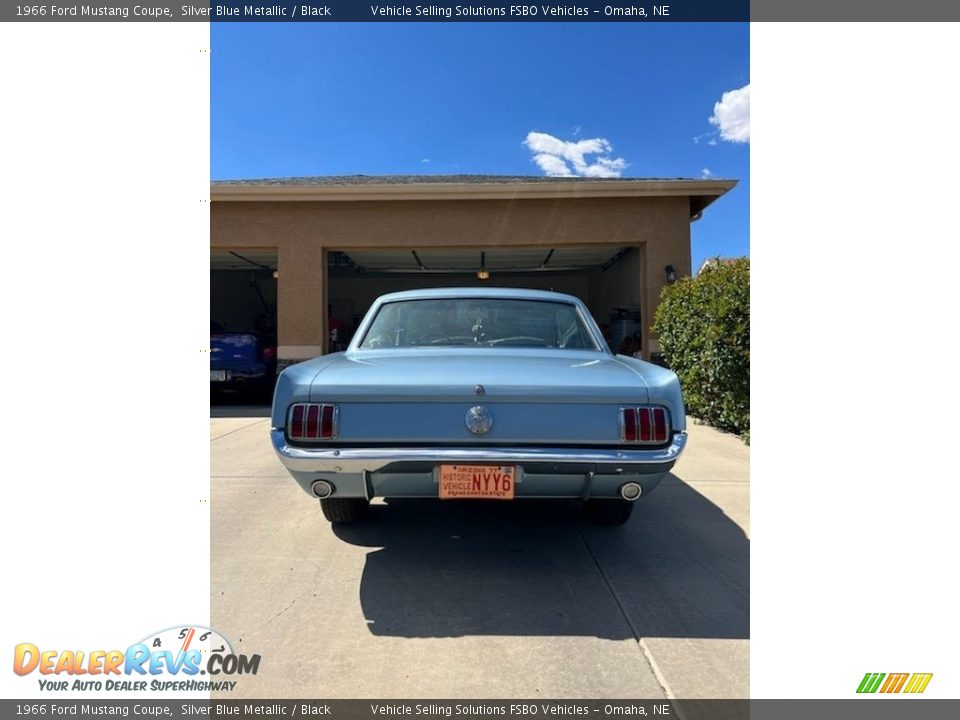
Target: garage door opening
x,y
243,324
606,277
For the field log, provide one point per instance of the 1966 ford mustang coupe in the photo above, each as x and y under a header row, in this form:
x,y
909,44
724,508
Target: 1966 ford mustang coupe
x,y
478,393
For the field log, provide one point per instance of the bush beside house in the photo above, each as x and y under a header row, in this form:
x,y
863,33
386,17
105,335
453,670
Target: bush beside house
x,y
703,325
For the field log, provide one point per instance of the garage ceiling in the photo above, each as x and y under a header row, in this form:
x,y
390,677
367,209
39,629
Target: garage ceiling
x,y
434,260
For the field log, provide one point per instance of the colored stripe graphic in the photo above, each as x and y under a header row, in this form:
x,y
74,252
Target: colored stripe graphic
x,y
918,682
870,682
894,682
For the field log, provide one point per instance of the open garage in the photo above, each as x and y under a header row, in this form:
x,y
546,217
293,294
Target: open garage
x,y
243,290
304,258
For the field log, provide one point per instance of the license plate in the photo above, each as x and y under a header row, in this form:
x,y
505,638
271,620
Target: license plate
x,y
460,482
218,375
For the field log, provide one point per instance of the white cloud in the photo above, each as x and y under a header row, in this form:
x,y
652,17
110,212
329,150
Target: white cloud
x,y
552,165
561,158
706,173
424,161
732,115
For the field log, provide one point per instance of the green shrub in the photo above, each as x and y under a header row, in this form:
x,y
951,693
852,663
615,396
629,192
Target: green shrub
x,y
703,325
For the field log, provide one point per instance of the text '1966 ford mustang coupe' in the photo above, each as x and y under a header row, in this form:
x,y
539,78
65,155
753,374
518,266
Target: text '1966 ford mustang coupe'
x,y
478,393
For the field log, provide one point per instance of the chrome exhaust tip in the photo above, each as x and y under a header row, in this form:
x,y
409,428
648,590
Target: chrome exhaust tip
x,y
631,491
322,489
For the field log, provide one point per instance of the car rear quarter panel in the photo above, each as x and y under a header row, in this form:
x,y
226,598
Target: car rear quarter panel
x,y
293,385
663,388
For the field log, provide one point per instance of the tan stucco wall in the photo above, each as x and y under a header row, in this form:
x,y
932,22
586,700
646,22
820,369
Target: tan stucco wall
x,y
304,231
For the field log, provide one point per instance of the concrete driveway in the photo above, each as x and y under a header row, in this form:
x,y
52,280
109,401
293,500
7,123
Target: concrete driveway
x,y
443,600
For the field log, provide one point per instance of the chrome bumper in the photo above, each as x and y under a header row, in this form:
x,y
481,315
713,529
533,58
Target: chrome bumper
x,y
358,460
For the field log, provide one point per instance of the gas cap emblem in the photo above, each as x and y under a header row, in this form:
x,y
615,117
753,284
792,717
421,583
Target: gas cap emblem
x,y
479,420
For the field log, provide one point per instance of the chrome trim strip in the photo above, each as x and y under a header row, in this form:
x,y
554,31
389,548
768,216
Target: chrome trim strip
x,y
359,460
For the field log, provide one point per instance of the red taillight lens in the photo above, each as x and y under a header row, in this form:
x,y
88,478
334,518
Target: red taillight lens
x,y
659,425
312,421
646,429
269,353
326,422
630,424
296,421
647,425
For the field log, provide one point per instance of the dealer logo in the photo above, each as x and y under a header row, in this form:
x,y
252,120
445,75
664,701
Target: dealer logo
x,y
170,659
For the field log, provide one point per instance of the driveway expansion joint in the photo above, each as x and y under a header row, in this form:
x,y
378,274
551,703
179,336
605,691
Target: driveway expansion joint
x,y
647,654
243,427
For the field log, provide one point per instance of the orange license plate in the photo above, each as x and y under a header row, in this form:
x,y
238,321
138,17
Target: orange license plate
x,y
460,482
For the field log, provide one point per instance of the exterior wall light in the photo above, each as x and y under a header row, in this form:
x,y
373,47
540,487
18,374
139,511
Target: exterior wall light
x,y
671,274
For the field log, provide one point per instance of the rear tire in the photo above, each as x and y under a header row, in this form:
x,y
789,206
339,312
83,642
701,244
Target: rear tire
x,y
608,512
344,511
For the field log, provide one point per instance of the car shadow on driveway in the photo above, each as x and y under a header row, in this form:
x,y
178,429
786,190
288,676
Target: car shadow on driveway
x,y
679,568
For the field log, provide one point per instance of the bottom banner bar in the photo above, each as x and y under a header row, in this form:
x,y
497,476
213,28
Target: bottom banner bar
x,y
872,709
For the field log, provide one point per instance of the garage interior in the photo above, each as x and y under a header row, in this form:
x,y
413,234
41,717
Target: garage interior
x,y
286,251
243,290
243,283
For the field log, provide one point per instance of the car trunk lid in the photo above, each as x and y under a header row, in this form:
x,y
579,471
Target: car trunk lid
x,y
543,376
534,396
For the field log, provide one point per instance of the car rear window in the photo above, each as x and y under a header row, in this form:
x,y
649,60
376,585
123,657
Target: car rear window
x,y
478,322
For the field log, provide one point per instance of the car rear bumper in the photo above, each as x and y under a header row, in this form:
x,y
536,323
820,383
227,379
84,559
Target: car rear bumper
x,y
374,459
410,471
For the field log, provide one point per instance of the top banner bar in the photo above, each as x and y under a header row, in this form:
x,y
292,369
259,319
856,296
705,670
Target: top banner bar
x,y
466,11
386,11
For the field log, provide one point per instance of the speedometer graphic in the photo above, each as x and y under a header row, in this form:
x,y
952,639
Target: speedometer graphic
x,y
184,638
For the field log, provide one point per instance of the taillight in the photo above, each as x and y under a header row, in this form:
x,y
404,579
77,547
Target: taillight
x,y
645,432
269,352
659,425
630,424
296,421
646,425
312,421
326,422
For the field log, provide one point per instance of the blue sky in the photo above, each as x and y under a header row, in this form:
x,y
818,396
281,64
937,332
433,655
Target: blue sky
x,y
383,98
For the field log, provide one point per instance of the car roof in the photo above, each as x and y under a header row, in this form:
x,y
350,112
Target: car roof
x,y
475,292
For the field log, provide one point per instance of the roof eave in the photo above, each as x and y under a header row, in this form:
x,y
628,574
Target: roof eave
x,y
705,191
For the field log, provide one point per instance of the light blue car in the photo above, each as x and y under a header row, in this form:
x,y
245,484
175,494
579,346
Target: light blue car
x,y
466,393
